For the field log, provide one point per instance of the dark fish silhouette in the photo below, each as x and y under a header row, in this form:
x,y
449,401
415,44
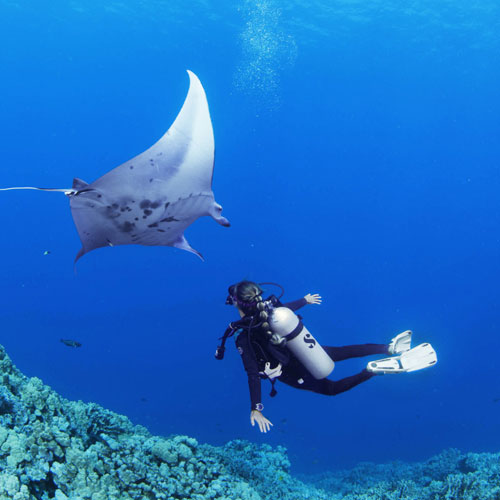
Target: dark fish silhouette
x,y
152,198
71,343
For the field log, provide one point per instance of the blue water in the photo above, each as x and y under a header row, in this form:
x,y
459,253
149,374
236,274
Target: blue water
x,y
357,157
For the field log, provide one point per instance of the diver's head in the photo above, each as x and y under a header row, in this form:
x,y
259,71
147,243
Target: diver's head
x,y
247,297
244,295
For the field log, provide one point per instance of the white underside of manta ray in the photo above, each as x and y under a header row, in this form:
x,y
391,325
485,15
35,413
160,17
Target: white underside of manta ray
x,y
152,198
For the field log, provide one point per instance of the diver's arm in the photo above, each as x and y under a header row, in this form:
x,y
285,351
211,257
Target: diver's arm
x,y
314,298
296,304
252,369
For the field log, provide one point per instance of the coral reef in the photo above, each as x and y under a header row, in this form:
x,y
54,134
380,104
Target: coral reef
x,y
451,475
52,448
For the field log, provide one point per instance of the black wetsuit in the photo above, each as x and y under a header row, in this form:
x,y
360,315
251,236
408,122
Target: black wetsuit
x,y
256,349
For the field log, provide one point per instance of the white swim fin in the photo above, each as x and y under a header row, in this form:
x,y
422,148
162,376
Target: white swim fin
x,y
400,343
418,358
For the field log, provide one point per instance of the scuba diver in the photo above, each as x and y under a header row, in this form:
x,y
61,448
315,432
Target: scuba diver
x,y
275,345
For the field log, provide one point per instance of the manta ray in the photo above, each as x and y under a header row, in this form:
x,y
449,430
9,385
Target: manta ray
x,y
152,198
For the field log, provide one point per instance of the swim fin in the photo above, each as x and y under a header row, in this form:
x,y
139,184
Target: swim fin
x,y
400,343
418,358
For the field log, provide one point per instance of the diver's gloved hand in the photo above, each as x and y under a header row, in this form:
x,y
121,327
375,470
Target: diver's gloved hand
x,y
264,424
314,298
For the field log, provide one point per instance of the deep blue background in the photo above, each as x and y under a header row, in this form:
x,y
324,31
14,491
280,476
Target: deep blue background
x,y
357,156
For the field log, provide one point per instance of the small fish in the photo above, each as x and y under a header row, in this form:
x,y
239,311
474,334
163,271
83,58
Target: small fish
x,y
71,343
47,252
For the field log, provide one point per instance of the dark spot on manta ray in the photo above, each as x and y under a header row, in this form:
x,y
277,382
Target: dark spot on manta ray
x,y
137,218
145,203
153,225
131,167
161,230
167,204
112,211
99,195
151,180
126,227
155,204
169,219
148,212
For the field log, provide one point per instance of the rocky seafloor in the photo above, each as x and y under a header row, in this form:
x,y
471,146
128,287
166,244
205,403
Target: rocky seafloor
x,y
52,448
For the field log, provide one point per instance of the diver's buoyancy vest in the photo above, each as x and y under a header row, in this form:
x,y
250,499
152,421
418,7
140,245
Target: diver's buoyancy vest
x,y
301,343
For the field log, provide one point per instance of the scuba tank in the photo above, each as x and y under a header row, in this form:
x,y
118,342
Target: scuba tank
x,y
301,343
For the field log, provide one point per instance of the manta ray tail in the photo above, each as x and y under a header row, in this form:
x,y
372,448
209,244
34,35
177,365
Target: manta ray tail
x,y
66,191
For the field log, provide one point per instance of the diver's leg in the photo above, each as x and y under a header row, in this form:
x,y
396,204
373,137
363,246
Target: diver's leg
x,y
355,351
333,387
326,386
